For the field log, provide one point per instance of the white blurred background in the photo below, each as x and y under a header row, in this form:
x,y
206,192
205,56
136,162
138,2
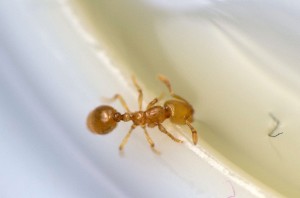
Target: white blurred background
x,y
235,61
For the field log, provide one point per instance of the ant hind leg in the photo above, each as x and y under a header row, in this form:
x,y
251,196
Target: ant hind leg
x,y
120,98
125,140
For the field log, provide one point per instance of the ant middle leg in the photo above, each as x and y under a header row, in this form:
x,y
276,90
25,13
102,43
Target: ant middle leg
x,y
166,81
125,140
164,130
150,141
120,98
194,132
154,101
140,98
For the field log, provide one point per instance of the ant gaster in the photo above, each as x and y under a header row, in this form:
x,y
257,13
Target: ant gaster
x,y
104,119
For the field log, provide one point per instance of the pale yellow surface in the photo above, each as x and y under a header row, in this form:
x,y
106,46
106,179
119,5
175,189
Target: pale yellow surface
x,y
221,72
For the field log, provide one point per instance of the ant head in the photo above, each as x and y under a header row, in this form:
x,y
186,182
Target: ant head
x,y
101,120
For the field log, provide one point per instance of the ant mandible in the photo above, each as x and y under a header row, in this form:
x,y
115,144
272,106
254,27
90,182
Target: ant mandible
x,y
104,119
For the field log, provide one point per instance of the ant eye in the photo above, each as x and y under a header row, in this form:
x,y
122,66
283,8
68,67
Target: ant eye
x,y
101,120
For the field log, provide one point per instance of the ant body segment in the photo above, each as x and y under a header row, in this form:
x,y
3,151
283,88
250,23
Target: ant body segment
x,y
104,119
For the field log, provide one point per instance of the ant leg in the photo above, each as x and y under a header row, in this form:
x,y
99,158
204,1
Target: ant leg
x,y
154,101
125,140
166,81
120,98
140,98
162,129
194,132
150,141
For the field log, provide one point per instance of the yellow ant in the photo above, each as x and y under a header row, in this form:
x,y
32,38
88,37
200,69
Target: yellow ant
x,y
104,119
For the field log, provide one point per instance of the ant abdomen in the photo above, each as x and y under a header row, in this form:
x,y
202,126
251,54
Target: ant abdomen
x,y
101,120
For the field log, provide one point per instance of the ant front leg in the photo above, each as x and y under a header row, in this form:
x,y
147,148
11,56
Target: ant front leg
x,y
164,130
194,132
120,98
166,81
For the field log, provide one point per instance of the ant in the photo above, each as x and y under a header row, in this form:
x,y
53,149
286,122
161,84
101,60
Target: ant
x,y
104,119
